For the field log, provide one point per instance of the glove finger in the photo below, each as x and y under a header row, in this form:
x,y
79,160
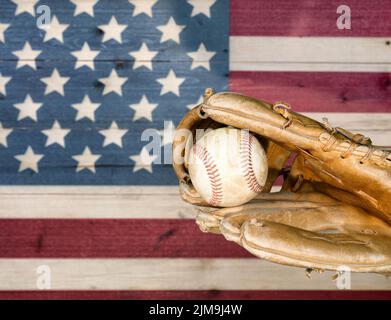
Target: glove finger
x,y
308,216
208,223
190,195
278,200
254,205
315,197
209,218
262,118
297,247
229,220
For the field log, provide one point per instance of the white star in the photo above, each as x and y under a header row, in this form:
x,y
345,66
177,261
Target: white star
x,y
191,106
55,30
28,108
85,56
202,7
168,132
143,6
86,6
113,83
4,133
143,109
3,27
201,57
3,82
27,56
171,30
55,83
143,161
86,160
86,109
143,57
113,135
55,135
25,6
113,30
29,160
170,83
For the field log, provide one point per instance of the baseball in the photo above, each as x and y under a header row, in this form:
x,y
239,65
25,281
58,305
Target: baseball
x,y
227,167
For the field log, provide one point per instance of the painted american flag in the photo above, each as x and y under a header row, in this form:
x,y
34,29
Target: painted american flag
x,y
87,211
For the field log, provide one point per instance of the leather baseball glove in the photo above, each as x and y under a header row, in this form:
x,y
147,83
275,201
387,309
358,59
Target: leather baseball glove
x,y
334,208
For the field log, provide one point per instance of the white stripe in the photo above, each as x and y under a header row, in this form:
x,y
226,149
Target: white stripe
x,y
92,202
112,202
377,126
171,274
341,54
356,120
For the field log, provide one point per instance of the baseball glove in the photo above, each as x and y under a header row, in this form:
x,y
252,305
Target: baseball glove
x,y
334,208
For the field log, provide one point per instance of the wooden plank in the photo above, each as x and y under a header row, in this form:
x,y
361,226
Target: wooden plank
x,y
309,18
267,66
139,82
196,295
338,54
366,121
319,91
94,202
82,27
114,165
376,125
112,238
172,274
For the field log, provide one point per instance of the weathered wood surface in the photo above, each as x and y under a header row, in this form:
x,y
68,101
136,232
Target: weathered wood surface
x,y
344,79
173,56
112,238
172,274
337,54
94,202
309,18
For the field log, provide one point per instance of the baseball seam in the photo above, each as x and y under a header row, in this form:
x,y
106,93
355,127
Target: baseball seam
x,y
212,172
246,148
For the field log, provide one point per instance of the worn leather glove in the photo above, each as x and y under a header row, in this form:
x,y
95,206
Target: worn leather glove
x,y
334,208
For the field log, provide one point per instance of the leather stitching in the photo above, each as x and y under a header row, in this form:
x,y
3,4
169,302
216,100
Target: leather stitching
x,y
330,143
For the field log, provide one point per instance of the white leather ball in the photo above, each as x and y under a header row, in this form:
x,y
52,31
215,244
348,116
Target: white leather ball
x,y
227,166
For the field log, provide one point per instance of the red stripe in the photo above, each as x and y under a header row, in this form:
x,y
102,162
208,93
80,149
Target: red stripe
x,y
309,18
318,91
209,295
110,238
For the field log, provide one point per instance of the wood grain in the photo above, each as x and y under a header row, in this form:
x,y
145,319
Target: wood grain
x,y
196,294
319,91
172,274
338,54
135,238
112,238
94,202
376,125
309,18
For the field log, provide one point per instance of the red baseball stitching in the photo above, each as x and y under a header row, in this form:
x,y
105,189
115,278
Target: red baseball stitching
x,y
212,172
246,147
